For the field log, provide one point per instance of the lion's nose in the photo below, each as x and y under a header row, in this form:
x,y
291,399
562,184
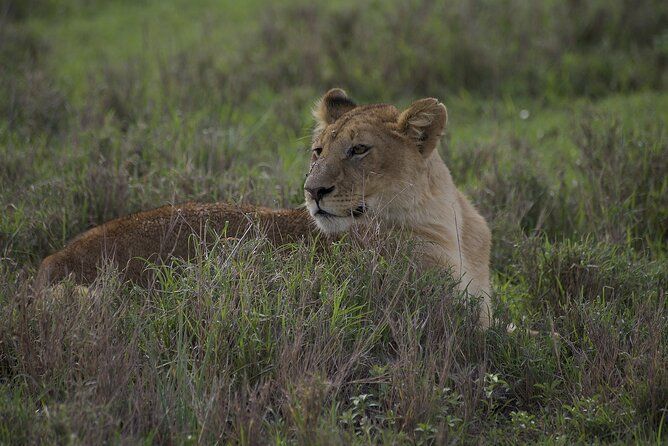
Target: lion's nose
x,y
318,192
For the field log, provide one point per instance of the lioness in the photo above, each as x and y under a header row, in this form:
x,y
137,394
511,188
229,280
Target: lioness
x,y
369,163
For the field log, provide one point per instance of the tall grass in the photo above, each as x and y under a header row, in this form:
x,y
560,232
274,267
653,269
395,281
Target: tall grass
x,y
418,48
253,344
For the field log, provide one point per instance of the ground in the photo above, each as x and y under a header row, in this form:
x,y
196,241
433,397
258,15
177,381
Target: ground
x,y
557,131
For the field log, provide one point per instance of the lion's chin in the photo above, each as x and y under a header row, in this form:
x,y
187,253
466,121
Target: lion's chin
x,y
330,225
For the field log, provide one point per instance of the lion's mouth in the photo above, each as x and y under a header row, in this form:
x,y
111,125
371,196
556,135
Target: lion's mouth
x,y
357,212
325,214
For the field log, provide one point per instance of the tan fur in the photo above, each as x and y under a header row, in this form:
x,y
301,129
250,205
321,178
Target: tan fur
x,y
399,182
163,232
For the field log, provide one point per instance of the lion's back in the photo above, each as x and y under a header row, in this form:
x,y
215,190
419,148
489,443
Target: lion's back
x,y
164,232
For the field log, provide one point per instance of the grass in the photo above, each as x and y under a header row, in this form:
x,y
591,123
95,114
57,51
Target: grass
x,y
560,140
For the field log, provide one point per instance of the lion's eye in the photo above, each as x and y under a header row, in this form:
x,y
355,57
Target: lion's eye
x,y
358,149
317,151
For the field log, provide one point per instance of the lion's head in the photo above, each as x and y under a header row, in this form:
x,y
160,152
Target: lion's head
x,y
370,159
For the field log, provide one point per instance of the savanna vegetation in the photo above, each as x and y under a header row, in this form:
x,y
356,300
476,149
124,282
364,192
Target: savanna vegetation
x,y
557,132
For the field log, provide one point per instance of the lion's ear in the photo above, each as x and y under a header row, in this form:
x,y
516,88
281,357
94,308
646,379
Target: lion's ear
x,y
332,106
424,122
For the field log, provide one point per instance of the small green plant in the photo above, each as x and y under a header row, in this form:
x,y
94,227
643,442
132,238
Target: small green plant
x,y
363,414
523,421
425,433
594,418
496,391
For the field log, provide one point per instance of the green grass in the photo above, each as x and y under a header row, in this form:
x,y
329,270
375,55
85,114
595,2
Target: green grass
x,y
557,131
